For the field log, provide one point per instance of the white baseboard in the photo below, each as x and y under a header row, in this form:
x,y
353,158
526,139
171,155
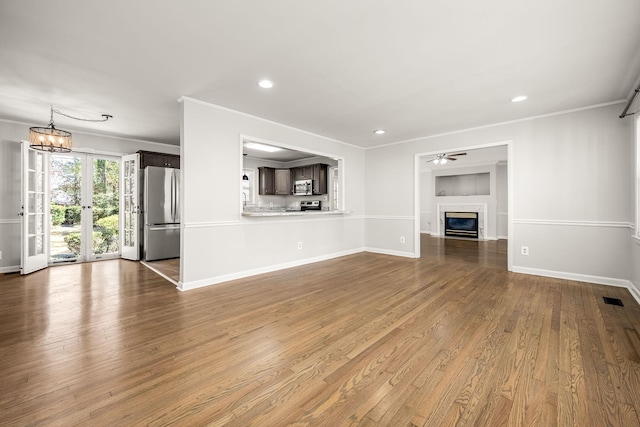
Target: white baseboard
x,y
633,289
187,286
390,252
10,269
599,280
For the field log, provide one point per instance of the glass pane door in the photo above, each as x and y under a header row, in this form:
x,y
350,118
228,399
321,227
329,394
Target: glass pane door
x,y
34,210
66,238
105,208
129,207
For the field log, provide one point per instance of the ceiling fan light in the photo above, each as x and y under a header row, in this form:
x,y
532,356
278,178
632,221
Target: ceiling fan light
x,y
443,161
436,161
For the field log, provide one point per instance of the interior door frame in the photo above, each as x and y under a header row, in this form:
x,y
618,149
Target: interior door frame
x,y
417,192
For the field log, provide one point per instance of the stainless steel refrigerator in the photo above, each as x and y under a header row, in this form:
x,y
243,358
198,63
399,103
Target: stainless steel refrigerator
x,y
161,211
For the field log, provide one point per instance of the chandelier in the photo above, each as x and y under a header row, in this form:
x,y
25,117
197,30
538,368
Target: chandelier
x,y
56,140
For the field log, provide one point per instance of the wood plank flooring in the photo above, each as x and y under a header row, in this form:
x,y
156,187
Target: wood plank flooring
x,y
366,339
166,267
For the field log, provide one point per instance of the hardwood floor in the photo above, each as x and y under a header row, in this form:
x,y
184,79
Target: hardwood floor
x,y
366,339
170,268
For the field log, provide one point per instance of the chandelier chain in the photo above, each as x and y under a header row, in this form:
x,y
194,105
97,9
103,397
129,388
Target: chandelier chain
x,y
104,118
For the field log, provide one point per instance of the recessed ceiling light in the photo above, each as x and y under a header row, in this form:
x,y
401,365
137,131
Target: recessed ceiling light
x,y
519,98
262,147
265,84
379,131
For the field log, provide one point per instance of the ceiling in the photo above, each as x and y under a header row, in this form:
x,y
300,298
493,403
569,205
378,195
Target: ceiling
x,y
282,155
477,157
341,68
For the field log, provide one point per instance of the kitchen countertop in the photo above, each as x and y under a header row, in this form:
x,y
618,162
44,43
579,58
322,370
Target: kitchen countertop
x,y
271,213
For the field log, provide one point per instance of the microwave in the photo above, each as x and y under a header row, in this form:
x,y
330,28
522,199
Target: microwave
x,y
303,187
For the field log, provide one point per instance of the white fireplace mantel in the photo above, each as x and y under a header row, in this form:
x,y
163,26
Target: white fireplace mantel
x,y
480,208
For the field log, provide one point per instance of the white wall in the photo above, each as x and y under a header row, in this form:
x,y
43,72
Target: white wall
x,y
219,244
634,197
427,206
502,193
570,192
11,134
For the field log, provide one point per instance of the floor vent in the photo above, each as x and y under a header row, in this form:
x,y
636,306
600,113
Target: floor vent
x,y
613,301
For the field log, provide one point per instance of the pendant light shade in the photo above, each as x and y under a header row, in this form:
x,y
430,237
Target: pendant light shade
x,y
49,138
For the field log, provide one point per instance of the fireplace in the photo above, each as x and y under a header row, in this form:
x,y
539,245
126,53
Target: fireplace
x,y
461,224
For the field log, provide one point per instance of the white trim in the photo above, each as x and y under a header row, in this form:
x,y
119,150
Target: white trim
x,y
634,292
10,221
187,286
211,224
218,107
390,252
635,239
509,122
587,278
10,269
260,220
598,280
609,224
391,217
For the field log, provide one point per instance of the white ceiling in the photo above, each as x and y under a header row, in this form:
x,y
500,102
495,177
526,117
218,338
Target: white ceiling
x,y
341,68
478,157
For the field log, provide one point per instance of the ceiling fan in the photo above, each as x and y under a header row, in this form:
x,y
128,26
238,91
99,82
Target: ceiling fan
x,y
443,158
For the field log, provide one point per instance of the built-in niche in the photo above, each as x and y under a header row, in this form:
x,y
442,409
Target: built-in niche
x,y
473,184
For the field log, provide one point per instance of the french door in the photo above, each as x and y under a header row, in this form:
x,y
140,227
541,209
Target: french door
x,y
34,213
85,208
130,207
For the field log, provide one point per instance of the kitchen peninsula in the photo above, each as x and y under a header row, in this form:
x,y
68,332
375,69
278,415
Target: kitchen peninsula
x,y
283,212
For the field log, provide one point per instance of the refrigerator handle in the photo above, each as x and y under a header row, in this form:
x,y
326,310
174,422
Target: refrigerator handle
x,y
173,202
174,196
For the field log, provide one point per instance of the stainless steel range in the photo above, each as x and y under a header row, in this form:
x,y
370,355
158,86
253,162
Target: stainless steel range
x,y
310,205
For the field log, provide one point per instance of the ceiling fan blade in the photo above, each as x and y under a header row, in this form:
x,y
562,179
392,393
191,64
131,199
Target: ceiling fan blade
x,y
457,154
451,158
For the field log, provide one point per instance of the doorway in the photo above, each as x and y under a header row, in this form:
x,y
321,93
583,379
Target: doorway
x,y
468,168
84,200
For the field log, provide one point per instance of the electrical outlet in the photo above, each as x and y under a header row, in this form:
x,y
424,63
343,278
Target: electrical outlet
x,y
299,245
524,250
401,239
